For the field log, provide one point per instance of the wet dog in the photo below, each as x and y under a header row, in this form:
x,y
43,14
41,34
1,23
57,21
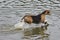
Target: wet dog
x,y
40,18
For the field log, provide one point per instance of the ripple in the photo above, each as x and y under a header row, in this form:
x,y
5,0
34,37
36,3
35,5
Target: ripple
x,y
11,11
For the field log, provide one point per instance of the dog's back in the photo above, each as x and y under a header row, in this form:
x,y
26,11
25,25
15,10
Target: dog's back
x,y
36,19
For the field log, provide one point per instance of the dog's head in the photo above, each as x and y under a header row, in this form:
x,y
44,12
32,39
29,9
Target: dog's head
x,y
47,12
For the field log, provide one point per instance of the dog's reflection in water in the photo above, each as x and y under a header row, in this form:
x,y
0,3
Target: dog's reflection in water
x,y
38,32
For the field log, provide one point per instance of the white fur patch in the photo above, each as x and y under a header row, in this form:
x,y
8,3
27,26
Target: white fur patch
x,y
45,20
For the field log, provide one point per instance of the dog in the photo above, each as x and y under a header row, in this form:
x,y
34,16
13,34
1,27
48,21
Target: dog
x,y
40,18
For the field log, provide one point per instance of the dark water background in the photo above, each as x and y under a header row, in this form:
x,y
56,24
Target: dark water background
x,y
11,11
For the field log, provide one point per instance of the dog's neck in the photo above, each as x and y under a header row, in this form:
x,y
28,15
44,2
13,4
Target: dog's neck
x,y
42,17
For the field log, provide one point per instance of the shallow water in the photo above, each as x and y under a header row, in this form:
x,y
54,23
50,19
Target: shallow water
x,y
11,13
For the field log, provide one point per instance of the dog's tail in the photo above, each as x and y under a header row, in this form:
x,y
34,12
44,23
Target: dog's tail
x,y
23,18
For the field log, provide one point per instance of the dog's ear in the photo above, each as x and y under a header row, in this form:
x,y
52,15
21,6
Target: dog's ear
x,y
43,12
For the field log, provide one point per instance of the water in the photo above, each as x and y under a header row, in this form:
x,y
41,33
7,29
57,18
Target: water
x,y
12,11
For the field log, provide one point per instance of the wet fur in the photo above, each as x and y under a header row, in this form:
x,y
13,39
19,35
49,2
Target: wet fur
x,y
40,18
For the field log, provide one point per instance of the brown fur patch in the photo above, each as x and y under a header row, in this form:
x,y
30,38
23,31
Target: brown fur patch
x,y
28,19
42,18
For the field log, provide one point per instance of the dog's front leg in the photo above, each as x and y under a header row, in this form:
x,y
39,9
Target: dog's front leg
x,y
45,22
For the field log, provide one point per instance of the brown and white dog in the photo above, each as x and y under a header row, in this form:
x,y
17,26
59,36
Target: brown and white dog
x,y
40,18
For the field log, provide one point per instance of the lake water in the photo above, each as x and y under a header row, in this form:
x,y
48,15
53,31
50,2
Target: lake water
x,y
11,12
